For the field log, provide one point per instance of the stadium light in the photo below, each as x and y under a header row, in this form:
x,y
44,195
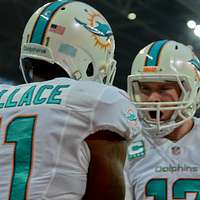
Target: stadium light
x,y
191,24
131,16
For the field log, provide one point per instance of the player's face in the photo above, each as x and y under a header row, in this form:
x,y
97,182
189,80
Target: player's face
x,y
160,92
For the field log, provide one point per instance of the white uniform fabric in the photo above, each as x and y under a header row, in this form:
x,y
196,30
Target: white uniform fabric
x,y
43,126
164,170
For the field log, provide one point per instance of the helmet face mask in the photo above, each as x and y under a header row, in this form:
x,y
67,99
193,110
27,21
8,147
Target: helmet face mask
x,y
174,64
73,35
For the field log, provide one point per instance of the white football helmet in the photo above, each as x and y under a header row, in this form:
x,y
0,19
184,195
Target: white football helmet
x,y
163,61
74,36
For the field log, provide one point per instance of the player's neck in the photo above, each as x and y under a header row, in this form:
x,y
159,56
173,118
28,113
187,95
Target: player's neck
x,y
181,131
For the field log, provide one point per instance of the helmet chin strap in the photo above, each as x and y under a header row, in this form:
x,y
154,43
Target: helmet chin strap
x,y
160,129
154,130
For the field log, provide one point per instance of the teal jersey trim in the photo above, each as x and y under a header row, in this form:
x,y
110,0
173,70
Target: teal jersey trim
x,y
158,188
154,53
44,19
182,186
20,132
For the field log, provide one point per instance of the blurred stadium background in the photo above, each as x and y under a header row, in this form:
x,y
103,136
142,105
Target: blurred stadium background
x,y
155,20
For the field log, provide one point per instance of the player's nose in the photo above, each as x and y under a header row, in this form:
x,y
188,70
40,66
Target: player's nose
x,y
154,97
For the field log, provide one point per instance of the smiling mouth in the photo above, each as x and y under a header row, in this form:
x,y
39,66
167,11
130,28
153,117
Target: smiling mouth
x,y
152,115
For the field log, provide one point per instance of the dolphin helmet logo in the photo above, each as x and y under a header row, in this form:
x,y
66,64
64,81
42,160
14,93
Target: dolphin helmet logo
x,y
132,115
196,63
99,28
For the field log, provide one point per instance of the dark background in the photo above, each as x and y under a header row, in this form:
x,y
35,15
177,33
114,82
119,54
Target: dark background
x,y
156,19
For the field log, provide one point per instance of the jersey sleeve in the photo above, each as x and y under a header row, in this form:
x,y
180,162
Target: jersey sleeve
x,y
116,113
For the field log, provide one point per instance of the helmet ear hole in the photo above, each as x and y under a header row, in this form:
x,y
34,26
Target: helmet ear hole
x,y
90,70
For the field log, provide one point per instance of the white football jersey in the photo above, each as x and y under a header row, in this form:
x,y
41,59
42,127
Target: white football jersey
x,y
42,130
164,170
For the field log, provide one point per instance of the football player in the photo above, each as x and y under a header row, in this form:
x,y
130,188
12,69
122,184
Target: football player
x,y
163,162
65,138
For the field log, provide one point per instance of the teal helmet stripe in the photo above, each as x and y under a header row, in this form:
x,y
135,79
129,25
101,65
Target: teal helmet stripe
x,y
44,20
154,53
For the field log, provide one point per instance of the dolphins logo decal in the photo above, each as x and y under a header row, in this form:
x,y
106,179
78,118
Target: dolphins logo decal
x,y
99,28
195,62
